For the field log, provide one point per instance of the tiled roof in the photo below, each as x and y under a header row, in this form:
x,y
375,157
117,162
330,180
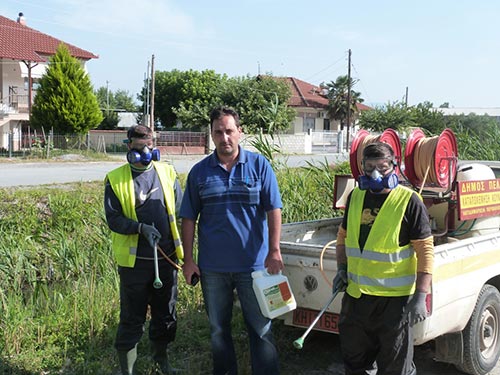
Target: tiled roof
x,y
21,42
362,107
307,95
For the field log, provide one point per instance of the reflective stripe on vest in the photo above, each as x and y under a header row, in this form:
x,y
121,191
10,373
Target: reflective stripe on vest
x,y
167,176
125,246
383,268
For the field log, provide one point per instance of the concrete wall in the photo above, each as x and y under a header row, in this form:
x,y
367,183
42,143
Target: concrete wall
x,y
287,143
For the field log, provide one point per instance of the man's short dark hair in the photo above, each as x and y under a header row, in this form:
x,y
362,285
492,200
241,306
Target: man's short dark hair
x,y
222,111
139,132
378,150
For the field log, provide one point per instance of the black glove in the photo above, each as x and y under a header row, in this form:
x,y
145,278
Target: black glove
x,y
150,233
340,279
416,308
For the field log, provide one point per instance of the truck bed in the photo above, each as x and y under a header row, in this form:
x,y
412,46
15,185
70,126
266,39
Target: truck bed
x,y
309,237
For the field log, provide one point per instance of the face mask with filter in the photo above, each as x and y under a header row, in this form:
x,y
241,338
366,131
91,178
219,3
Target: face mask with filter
x,y
144,156
376,182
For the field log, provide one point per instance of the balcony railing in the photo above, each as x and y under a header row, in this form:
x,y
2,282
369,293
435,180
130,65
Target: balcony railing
x,y
16,101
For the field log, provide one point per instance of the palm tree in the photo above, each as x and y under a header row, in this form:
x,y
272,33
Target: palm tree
x,y
337,96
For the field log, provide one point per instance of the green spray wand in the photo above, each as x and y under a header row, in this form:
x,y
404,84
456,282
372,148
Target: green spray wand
x,y
299,343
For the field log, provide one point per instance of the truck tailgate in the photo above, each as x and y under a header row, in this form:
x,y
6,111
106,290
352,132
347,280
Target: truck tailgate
x,y
302,244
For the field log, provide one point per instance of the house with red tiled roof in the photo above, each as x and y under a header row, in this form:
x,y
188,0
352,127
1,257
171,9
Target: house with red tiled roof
x,y
24,54
311,104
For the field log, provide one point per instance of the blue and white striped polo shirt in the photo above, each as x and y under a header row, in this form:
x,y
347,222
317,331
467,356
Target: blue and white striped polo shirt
x,y
231,211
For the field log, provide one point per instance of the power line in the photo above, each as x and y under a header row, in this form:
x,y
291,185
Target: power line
x,y
328,67
360,81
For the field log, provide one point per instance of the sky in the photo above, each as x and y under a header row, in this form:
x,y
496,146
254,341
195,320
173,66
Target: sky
x,y
441,51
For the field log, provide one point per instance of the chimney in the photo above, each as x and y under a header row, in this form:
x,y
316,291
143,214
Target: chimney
x,y
20,19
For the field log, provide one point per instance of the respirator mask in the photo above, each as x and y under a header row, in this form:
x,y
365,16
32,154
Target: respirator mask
x,y
373,177
144,156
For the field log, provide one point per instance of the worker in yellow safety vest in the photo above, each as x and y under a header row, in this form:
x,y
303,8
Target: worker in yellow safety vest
x,y
385,256
141,199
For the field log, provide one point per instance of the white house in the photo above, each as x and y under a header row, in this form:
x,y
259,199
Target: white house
x,y
311,105
24,54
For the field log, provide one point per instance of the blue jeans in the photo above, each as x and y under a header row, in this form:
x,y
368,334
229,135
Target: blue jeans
x,y
218,296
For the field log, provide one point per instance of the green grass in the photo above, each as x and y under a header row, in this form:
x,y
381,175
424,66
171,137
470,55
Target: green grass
x,y
59,302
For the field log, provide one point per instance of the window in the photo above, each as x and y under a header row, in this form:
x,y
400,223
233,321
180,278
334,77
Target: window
x,y
308,124
326,124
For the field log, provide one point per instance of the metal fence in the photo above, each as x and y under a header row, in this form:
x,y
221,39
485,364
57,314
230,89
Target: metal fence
x,y
181,138
326,141
173,142
14,144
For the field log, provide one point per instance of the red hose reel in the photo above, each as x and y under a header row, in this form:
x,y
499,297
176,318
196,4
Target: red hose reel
x,y
443,161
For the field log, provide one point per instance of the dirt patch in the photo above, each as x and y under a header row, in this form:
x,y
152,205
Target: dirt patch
x,y
321,355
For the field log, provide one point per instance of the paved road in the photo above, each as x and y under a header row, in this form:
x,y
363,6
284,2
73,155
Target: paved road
x,y
14,173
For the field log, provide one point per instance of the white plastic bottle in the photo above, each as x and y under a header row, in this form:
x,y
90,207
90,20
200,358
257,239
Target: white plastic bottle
x,y
273,293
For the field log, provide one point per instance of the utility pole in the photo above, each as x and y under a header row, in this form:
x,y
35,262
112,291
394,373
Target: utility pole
x,y
107,97
406,97
146,103
348,99
152,118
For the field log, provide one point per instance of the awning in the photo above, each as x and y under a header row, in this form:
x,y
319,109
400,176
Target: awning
x,y
37,71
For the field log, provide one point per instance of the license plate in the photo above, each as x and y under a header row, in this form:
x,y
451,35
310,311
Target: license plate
x,y
329,322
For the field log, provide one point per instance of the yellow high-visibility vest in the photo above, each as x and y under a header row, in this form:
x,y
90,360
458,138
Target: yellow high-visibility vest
x,y
125,245
383,268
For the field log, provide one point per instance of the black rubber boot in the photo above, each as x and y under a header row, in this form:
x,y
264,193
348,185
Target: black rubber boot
x,y
160,358
127,361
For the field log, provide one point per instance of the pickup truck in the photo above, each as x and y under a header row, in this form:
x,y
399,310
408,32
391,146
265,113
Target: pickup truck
x,y
464,305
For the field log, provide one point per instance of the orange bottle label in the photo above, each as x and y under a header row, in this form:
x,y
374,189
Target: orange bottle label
x,y
286,294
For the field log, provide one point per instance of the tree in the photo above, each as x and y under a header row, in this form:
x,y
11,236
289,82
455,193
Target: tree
x,y
120,100
124,101
110,121
182,89
262,102
399,116
65,100
477,136
337,99
394,115
189,96
111,103
428,118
